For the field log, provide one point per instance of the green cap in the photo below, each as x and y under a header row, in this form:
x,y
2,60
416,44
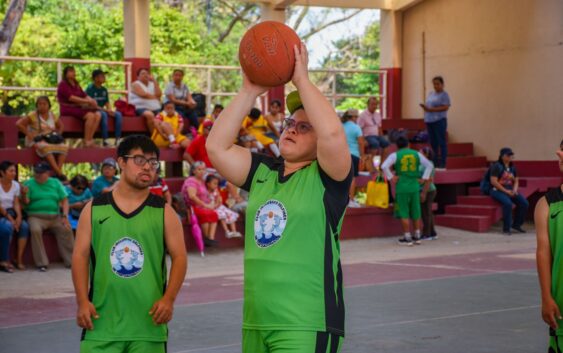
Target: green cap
x,y
293,102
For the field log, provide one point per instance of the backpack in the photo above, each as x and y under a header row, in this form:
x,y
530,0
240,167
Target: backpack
x,y
125,108
485,184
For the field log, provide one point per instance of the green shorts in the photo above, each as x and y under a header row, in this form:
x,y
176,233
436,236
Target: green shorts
x,y
407,205
87,346
555,342
264,341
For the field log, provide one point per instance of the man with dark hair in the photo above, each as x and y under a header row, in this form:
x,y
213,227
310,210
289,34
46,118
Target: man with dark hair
x,y
97,91
549,227
123,237
406,163
178,93
371,123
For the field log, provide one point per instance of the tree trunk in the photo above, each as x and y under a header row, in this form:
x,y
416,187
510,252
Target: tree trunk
x,y
10,25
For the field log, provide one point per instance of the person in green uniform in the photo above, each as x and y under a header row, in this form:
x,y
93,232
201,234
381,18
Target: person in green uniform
x,y
548,218
406,163
119,261
293,294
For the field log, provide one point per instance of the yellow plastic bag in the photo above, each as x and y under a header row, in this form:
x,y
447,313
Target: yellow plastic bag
x,y
377,193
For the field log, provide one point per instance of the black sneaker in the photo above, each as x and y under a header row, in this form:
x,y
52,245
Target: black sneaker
x,y
506,232
209,242
405,241
519,229
416,240
425,237
42,268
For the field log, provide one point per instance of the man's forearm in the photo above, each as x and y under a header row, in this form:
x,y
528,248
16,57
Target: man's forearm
x,y
177,274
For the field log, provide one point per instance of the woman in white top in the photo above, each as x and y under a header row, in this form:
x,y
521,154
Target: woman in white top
x,y
11,217
275,117
145,96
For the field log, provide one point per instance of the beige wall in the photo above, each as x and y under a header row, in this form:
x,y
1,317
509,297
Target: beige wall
x,y
502,62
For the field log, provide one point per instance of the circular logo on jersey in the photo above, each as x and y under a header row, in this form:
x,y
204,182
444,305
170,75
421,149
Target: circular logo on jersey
x,y
127,257
269,223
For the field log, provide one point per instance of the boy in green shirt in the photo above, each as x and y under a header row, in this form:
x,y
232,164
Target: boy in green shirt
x,y
97,91
549,228
406,163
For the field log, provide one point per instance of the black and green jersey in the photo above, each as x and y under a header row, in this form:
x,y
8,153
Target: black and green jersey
x,y
407,168
555,224
127,270
292,272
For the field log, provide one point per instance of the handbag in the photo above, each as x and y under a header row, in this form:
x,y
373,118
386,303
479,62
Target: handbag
x,y
125,108
377,193
53,138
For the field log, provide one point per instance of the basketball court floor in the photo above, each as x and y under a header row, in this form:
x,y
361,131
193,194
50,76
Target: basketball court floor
x,y
464,292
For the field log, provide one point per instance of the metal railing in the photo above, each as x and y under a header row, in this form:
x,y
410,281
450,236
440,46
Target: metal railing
x,y
208,91
127,65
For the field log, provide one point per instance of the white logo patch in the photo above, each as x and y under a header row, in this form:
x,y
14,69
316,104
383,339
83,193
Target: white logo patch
x,y
127,257
269,223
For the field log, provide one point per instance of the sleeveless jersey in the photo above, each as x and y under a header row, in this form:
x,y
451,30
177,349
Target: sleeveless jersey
x,y
127,270
555,225
407,169
292,271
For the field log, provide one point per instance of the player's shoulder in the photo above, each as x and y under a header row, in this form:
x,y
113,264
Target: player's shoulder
x,y
155,201
554,196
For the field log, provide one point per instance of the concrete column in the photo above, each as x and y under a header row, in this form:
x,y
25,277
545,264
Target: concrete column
x,y
391,59
136,32
269,13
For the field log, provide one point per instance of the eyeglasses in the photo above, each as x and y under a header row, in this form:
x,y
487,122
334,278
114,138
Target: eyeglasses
x,y
140,160
80,188
300,127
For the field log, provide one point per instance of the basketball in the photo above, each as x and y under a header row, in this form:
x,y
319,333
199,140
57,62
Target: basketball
x,y
266,53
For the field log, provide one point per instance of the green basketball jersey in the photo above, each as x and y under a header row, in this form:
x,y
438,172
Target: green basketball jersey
x,y
555,224
292,272
407,169
127,270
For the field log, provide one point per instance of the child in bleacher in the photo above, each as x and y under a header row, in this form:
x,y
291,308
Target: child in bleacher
x,y
256,125
168,127
227,217
78,196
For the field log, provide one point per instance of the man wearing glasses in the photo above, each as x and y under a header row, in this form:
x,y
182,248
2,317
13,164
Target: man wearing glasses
x,y
118,266
293,294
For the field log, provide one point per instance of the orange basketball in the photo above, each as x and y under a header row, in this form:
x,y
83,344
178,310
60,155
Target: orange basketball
x,y
266,53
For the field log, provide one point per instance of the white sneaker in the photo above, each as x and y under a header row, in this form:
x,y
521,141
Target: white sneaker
x,y
354,204
237,235
229,235
202,254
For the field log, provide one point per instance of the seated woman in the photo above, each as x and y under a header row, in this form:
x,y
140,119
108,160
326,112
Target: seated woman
x,y
11,220
78,196
145,96
257,126
195,191
227,217
75,102
168,128
43,131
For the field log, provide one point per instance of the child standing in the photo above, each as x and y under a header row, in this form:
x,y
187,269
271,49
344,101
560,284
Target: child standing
x,y
427,196
168,127
227,217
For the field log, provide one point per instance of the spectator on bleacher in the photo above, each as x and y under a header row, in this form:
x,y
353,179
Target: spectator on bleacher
x,y
275,119
356,142
178,93
199,198
227,217
217,109
256,125
78,194
196,151
435,117
11,219
43,132
160,188
105,182
504,182
427,196
73,101
371,123
406,163
145,96
43,201
97,91
238,198
168,129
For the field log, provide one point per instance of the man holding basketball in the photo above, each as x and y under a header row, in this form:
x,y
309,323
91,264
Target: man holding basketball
x,y
293,295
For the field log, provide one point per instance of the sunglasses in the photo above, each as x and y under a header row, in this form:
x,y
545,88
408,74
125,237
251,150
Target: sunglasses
x,y
140,160
300,127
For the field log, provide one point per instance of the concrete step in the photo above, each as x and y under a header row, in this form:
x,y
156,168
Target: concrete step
x,y
454,149
466,162
478,224
476,200
494,212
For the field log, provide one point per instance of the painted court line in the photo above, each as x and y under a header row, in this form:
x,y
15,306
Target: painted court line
x,y
477,313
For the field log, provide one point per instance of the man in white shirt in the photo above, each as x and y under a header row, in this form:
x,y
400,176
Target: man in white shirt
x,y
370,121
